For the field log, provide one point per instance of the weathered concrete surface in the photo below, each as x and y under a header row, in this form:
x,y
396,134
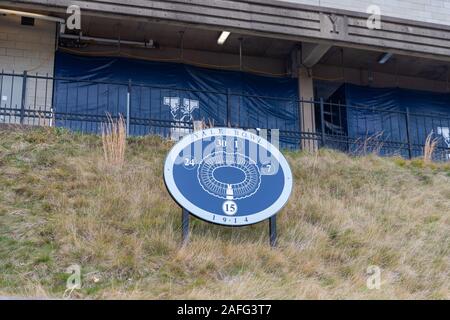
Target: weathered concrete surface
x,y
279,19
433,11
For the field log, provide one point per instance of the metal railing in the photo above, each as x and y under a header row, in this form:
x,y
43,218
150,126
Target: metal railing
x,y
83,105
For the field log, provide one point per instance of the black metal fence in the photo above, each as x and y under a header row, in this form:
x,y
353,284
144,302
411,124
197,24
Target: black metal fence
x,y
83,105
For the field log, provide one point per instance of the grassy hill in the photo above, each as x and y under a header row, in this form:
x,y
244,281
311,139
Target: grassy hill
x,y
61,204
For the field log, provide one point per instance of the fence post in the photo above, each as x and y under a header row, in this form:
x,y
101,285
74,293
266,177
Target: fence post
x,y
300,124
24,97
228,108
322,121
128,107
408,134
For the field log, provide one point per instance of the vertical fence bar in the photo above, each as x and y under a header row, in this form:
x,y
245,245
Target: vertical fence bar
x,y
322,120
300,124
228,108
24,97
128,107
35,90
408,134
45,100
2,117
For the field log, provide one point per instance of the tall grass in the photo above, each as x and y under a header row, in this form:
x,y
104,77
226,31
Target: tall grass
x,y
114,141
59,207
371,144
430,147
202,124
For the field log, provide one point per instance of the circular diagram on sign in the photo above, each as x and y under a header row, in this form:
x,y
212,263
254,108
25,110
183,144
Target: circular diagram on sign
x,y
229,176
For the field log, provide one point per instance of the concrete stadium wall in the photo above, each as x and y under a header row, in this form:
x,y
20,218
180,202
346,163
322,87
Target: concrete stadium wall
x,y
31,49
433,11
288,19
28,48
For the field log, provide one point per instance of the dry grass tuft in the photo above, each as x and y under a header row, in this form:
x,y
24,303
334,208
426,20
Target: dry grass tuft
x,y
430,147
202,124
114,141
371,144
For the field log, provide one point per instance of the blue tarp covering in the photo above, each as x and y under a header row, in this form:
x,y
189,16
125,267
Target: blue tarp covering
x,y
372,111
171,92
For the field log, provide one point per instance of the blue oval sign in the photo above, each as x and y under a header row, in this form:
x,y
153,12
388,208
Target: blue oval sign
x,y
228,176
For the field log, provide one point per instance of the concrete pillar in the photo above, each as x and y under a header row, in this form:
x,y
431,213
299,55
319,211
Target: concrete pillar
x,y
307,115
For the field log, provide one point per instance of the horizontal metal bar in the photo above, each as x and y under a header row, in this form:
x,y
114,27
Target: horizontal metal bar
x,y
224,94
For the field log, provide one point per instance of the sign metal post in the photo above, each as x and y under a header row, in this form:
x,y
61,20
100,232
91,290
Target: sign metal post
x,y
273,231
185,225
185,215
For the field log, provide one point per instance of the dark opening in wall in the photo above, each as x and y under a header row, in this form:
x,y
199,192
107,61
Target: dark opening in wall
x,y
26,21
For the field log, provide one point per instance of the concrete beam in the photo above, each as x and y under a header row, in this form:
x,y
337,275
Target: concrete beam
x,y
313,53
361,77
201,58
273,19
